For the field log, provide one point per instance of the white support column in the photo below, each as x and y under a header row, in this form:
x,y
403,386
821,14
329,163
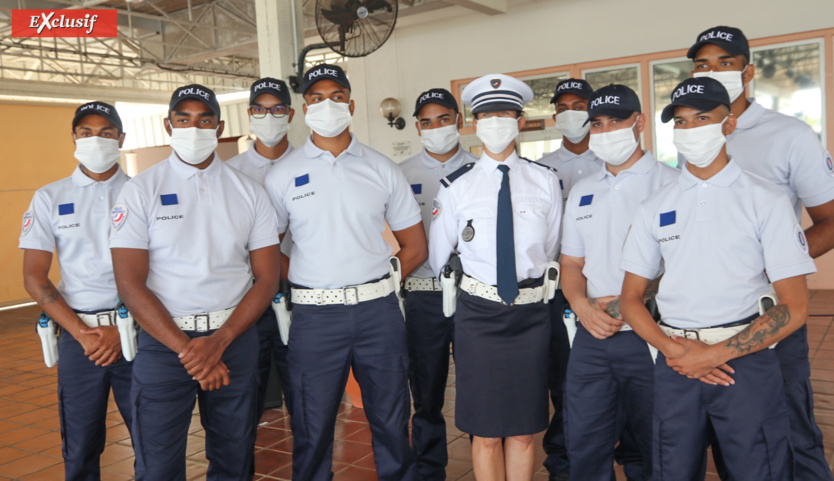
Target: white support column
x,y
280,38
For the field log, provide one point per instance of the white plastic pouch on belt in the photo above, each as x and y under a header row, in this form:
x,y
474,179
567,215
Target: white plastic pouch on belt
x,y
48,332
551,281
449,282
766,301
127,332
653,352
396,271
283,316
569,317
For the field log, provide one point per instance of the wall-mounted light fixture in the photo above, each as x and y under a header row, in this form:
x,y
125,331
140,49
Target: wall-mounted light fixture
x,y
390,109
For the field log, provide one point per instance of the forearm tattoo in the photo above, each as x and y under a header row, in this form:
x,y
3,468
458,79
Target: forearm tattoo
x,y
48,294
761,331
651,290
613,308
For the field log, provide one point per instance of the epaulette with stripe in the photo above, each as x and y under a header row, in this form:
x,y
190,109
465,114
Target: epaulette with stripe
x,y
447,181
539,164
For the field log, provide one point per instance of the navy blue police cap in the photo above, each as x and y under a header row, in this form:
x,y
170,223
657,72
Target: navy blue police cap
x,y
441,97
576,86
613,100
99,108
324,71
195,92
703,93
731,39
272,86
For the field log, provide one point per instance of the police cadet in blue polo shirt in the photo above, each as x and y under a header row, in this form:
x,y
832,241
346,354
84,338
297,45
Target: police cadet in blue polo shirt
x,y
716,230
503,215
270,115
188,236
430,333
787,152
610,367
71,217
336,195
572,161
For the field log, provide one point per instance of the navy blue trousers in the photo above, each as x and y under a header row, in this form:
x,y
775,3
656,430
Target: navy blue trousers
x,y
609,385
325,341
554,437
271,349
83,391
163,397
430,335
749,419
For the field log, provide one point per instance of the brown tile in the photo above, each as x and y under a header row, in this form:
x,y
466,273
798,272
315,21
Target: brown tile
x,y
8,454
115,453
49,474
40,443
117,433
457,468
354,473
268,436
22,433
195,470
460,449
27,465
33,416
363,435
348,451
366,462
268,461
285,445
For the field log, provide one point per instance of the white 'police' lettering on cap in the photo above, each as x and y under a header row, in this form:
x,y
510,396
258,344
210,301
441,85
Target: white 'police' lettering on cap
x,y
98,107
322,71
605,99
431,95
687,90
194,91
716,35
572,85
267,85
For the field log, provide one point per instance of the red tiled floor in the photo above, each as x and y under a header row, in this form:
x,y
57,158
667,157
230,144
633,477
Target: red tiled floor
x,y
30,439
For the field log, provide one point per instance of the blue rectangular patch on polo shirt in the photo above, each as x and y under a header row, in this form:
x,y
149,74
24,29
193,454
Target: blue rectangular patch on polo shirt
x,y
667,218
169,199
66,209
417,188
586,200
304,179
561,184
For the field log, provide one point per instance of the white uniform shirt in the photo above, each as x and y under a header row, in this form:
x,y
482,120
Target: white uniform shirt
x,y
337,209
571,167
73,216
598,214
256,167
198,227
473,196
424,172
716,237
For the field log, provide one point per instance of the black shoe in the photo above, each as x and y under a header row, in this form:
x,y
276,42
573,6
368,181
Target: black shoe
x,y
558,477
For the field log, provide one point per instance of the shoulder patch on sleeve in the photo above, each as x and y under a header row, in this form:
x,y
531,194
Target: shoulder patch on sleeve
x,y
436,208
447,181
801,240
829,164
28,222
118,215
539,164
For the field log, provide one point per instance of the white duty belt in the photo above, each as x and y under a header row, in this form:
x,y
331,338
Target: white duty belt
x,y
348,296
712,335
104,318
208,321
420,284
477,288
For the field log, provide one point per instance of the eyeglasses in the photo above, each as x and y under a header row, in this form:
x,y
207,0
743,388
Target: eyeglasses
x,y
259,111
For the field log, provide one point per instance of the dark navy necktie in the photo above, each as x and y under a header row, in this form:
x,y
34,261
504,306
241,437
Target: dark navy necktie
x,y
505,245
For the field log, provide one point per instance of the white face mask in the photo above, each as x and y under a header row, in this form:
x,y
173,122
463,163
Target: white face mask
x,y
270,130
97,154
731,80
440,140
497,132
328,118
700,145
614,147
193,145
572,124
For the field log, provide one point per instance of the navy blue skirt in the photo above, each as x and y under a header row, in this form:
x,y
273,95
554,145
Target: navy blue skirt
x,y
501,359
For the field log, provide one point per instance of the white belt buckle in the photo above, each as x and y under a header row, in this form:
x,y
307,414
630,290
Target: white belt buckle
x,y
355,300
318,294
197,318
472,288
105,316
